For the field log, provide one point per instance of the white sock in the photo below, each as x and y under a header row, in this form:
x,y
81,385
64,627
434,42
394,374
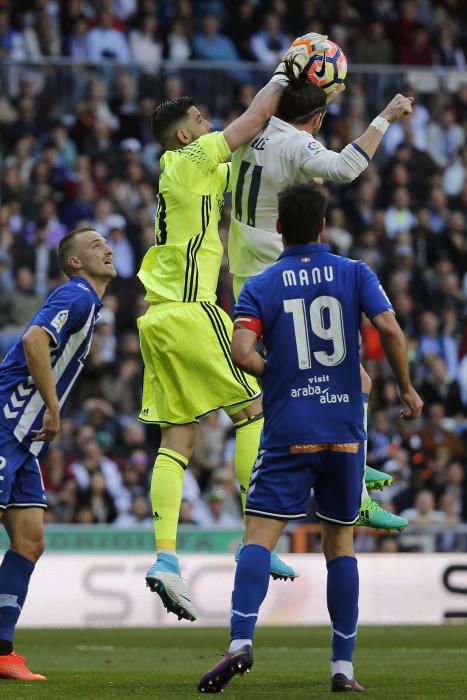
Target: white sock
x,y
344,667
172,552
237,644
365,494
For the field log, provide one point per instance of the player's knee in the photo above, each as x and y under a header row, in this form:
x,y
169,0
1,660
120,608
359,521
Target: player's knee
x,y
31,547
337,540
180,438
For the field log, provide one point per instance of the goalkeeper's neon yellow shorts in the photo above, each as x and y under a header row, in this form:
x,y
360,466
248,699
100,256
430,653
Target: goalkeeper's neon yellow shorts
x,y
188,371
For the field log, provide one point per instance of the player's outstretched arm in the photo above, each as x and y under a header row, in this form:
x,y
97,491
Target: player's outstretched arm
x,y
354,158
265,103
395,348
243,352
36,345
372,137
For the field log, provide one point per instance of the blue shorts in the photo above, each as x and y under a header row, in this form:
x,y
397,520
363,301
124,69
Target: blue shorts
x,y
21,484
281,482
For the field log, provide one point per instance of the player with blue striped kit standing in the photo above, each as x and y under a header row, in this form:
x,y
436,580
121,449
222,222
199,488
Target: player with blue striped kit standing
x,y
307,308
36,379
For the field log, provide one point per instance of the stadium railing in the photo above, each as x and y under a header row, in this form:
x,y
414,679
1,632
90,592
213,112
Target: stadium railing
x,y
191,539
417,538
64,80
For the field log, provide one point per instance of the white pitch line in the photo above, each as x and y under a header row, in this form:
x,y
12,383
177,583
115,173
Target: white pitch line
x,y
405,650
94,647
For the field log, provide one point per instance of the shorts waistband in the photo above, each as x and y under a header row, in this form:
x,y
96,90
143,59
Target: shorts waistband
x,y
348,447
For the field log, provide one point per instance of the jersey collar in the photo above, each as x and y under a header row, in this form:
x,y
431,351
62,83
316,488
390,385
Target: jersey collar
x,y
82,282
284,126
308,248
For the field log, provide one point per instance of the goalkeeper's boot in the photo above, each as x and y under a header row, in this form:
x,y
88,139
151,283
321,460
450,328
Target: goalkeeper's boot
x,y
233,662
278,569
13,666
164,579
342,684
372,515
376,480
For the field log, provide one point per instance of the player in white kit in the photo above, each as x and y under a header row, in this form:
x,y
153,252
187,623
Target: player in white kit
x,y
285,152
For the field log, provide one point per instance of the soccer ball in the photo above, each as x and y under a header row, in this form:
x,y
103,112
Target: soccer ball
x,y
327,70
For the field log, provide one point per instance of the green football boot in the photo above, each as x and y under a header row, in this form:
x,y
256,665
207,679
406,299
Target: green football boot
x,y
376,480
372,515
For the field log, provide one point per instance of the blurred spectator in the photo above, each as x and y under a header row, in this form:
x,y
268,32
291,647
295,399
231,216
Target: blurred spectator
x,y
81,207
177,45
216,516
48,220
78,41
41,259
42,38
270,43
139,516
105,42
387,545
12,44
445,137
399,217
433,341
418,51
435,436
241,26
211,45
455,175
455,483
98,499
439,387
94,462
336,233
448,52
146,44
424,512
24,300
122,252
373,46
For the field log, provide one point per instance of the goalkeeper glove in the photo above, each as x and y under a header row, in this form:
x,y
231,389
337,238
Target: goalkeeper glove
x,y
299,55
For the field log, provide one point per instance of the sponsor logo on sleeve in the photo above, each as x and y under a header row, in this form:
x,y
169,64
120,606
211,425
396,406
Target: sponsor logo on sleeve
x,y
60,319
315,147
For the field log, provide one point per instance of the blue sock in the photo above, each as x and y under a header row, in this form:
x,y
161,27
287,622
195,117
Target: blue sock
x,y
167,562
342,598
15,572
250,588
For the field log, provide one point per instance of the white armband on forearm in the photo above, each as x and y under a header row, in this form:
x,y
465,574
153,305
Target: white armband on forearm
x,y
381,124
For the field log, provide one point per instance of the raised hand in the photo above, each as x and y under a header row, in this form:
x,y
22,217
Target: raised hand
x,y
397,107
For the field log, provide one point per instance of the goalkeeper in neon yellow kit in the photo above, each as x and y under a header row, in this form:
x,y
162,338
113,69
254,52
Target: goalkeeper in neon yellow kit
x,y
184,335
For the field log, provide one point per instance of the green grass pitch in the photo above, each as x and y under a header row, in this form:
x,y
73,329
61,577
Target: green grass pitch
x,y
290,663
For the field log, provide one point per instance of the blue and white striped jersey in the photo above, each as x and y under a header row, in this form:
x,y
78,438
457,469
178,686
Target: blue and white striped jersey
x,y
68,315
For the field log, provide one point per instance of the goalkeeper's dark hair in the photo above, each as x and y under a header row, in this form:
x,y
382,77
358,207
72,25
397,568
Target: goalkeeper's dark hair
x,y
166,116
302,208
301,100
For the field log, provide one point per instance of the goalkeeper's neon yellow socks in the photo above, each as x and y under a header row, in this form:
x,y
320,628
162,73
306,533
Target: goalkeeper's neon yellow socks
x,y
166,496
247,435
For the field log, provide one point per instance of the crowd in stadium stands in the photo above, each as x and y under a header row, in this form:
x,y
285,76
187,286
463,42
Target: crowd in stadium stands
x,y
97,163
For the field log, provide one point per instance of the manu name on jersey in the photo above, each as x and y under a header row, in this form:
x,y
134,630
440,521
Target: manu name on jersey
x,y
68,316
307,307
